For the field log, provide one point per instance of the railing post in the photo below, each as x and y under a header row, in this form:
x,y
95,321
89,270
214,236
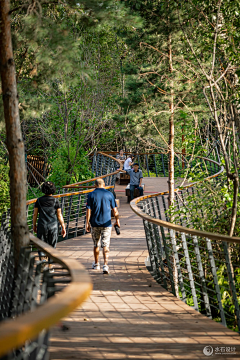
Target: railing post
x,y
202,277
232,283
166,249
153,254
178,206
108,161
158,247
177,268
147,164
163,165
94,163
164,207
84,201
139,161
21,282
99,165
68,217
161,254
189,269
153,251
103,164
155,165
36,286
215,279
77,214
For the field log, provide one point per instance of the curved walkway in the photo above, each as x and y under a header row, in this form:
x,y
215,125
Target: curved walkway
x,y
130,316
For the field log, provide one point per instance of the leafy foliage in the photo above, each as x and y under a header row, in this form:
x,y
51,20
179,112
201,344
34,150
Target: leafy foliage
x,y
4,188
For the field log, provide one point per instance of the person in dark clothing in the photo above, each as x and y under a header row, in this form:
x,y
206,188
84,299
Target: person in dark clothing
x,y
100,202
136,177
50,213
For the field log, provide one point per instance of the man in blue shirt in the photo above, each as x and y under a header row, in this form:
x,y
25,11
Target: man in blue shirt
x,y
100,202
135,180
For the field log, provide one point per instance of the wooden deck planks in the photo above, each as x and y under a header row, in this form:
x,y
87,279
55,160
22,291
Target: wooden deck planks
x,y
130,316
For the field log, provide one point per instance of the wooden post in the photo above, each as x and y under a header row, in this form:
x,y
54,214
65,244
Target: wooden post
x,y
15,145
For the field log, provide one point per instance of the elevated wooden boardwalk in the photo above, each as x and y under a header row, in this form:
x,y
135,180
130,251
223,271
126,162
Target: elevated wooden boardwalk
x,y
130,316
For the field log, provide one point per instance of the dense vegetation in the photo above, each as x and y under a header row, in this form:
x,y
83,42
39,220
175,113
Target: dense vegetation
x,y
143,75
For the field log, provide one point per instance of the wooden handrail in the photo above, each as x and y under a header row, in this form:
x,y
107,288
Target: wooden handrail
x,y
93,179
134,153
182,229
151,153
75,185
98,177
15,332
32,201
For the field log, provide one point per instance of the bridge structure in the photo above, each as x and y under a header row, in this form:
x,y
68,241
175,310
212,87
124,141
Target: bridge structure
x,y
172,291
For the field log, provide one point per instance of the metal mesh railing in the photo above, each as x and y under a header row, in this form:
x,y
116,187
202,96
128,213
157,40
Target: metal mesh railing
x,y
156,164
104,166
27,291
73,206
199,267
73,202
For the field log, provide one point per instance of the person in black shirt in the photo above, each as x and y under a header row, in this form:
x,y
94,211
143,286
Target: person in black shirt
x,y
49,212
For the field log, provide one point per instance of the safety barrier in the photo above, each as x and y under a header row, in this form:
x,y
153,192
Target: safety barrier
x,y
73,206
201,268
27,305
104,166
73,203
156,164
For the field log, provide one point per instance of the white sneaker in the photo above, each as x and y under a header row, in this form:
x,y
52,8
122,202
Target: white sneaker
x,y
105,269
95,266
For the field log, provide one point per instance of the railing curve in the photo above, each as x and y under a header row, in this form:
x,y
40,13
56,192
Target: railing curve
x,y
73,202
27,305
32,308
201,268
155,164
105,167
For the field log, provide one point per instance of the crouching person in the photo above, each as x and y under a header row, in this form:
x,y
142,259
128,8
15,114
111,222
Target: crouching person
x,y
135,180
100,202
50,213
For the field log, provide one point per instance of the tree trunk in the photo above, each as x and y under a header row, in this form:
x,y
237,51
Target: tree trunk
x,y
171,130
15,145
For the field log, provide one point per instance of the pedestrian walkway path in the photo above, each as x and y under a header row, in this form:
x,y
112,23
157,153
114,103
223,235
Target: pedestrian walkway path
x,y
129,315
